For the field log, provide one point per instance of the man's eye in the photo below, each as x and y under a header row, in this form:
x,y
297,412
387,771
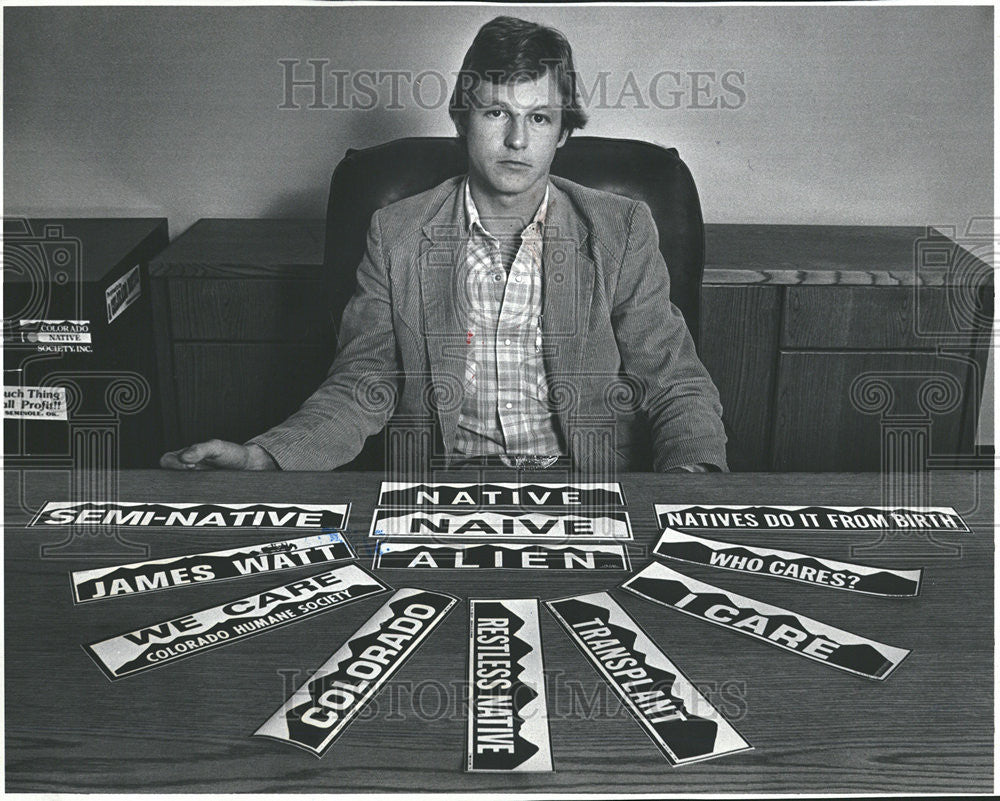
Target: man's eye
x,y
494,113
539,119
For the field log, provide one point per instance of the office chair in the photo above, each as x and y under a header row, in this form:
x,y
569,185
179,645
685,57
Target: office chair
x,y
366,180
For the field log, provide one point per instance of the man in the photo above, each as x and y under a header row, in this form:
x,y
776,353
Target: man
x,y
527,318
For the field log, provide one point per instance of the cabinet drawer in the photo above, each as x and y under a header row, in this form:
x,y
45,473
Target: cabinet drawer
x,y
819,426
870,318
250,310
235,391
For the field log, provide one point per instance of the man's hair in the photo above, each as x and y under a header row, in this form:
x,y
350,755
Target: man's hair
x,y
508,49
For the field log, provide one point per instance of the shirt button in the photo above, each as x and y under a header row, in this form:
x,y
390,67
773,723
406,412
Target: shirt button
x,y
509,405
497,277
506,342
517,278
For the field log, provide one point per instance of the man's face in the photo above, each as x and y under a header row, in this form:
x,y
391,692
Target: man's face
x,y
512,134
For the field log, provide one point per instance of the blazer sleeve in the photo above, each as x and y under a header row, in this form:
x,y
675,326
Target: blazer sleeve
x,y
361,389
657,351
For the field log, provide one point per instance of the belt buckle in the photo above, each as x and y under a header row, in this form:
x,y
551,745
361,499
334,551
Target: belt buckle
x,y
528,461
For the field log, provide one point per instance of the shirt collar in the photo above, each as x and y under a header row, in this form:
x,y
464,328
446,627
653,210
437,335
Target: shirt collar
x,y
472,213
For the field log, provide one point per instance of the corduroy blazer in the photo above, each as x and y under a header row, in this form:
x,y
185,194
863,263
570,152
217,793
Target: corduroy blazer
x,y
624,379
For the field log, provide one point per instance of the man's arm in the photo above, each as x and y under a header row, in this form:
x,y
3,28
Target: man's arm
x,y
656,348
217,454
331,426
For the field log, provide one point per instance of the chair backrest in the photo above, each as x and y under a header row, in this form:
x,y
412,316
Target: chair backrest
x,y
366,180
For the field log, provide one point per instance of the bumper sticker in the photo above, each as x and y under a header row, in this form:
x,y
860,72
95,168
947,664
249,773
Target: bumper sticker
x,y
770,624
676,716
508,727
788,565
503,555
500,524
180,571
590,495
172,640
319,711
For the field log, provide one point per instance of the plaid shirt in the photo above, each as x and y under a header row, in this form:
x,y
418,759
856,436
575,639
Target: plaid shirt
x,y
505,408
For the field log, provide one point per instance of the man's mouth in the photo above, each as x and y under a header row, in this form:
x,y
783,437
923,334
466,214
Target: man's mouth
x,y
515,165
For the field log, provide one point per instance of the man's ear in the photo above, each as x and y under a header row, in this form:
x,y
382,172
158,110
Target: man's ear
x,y
563,137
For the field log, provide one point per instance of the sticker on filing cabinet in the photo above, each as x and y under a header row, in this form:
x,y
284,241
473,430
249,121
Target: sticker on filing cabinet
x,y
809,518
198,568
51,336
787,565
122,293
434,523
193,515
172,640
771,624
508,729
501,555
588,495
676,716
319,711
34,403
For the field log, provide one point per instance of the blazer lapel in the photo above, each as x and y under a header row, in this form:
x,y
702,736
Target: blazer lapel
x,y
567,290
438,263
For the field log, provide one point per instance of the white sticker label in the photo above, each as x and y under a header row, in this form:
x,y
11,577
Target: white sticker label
x,y
123,293
34,403
52,336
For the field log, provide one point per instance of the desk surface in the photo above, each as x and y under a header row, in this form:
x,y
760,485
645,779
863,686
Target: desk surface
x,y
186,727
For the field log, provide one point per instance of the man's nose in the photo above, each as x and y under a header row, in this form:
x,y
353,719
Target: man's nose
x,y
517,134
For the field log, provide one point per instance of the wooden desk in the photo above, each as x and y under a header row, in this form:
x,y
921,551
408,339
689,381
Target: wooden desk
x,y
186,727
791,317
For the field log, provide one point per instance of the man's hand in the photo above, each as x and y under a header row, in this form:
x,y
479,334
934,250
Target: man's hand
x,y
217,454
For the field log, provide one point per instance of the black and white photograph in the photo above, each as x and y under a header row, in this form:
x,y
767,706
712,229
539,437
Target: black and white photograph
x,y
484,309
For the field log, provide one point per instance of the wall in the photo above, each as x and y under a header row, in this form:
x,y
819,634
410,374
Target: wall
x,y
846,115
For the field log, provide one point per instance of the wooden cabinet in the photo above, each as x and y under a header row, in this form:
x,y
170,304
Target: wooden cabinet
x,y
740,326
832,344
91,274
243,325
824,341
833,408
